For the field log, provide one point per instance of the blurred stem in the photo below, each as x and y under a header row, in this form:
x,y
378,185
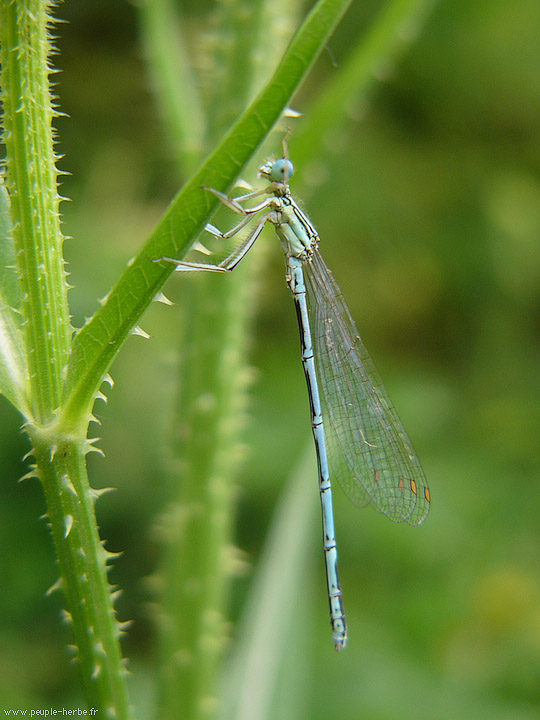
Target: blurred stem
x,y
244,48
210,408
198,561
58,445
231,47
174,83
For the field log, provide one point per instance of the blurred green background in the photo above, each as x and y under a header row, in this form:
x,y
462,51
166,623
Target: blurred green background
x,y
428,206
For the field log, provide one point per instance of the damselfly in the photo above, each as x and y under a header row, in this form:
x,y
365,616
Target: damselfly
x,y
359,438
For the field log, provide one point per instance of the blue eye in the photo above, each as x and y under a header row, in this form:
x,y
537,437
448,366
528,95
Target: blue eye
x,y
281,170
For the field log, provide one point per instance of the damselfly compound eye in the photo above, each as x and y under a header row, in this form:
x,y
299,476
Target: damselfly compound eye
x,y
281,170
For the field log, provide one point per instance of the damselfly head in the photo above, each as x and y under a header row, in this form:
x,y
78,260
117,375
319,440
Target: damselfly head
x,y
277,170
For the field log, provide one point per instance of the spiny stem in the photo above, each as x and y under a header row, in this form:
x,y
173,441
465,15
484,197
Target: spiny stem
x,y
59,442
32,184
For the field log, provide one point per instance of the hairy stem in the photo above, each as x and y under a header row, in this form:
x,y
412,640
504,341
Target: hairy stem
x,y
59,444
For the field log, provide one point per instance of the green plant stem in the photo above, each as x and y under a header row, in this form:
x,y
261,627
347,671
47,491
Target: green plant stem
x,y
209,413
61,467
31,183
198,556
174,85
59,444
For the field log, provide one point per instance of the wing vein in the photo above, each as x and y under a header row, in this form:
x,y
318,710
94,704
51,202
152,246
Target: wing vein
x,y
369,451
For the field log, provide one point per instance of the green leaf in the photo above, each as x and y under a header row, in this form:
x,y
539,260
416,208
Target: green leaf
x,y
273,637
98,342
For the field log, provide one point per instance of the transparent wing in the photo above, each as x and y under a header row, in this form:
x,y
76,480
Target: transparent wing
x,y
368,449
